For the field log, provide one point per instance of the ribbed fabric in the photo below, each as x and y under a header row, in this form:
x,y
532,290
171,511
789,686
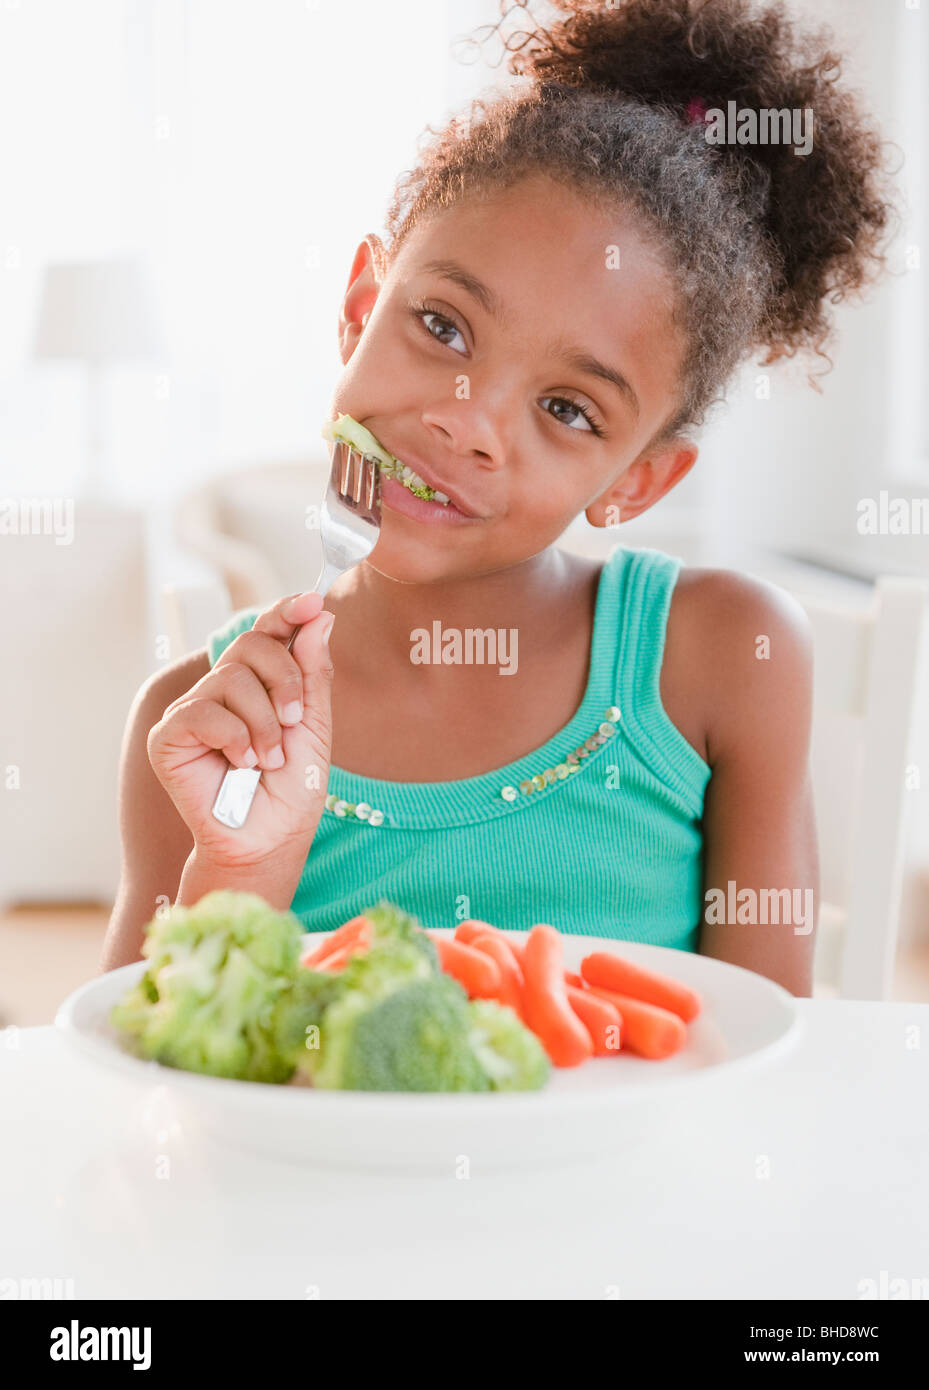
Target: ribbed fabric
x,y
613,850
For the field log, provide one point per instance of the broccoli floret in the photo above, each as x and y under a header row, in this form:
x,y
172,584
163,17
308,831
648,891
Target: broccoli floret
x,y
390,965
207,1001
511,1055
400,953
299,1012
360,438
413,1039
393,924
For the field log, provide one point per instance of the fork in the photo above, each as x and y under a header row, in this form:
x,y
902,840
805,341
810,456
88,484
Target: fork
x,y
349,524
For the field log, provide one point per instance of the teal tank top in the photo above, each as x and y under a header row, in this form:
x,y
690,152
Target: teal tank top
x,y
598,832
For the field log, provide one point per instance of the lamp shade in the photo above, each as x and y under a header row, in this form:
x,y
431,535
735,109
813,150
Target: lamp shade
x,y
98,312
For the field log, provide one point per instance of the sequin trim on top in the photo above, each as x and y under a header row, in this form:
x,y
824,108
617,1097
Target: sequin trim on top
x,y
549,776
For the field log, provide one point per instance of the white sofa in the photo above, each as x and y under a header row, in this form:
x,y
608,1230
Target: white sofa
x,y
75,638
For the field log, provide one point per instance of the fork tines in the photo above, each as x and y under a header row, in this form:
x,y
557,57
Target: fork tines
x,y
358,479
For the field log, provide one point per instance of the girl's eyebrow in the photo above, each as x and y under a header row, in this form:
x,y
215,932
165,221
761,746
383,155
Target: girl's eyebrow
x,y
570,354
485,296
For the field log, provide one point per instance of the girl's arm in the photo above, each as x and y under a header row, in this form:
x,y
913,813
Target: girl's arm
x,y
160,863
155,841
760,849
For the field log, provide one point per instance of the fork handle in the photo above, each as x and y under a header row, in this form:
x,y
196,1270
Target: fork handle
x,y
237,792
328,575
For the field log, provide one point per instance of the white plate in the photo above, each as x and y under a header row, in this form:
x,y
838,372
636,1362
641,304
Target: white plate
x,y
747,1022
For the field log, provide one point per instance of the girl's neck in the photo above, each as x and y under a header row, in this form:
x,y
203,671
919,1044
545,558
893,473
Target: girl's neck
x,y
377,616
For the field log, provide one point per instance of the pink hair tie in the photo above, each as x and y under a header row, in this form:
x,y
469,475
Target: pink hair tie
x,y
696,111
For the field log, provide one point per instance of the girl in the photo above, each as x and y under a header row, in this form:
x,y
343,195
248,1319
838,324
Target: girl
x,y
571,277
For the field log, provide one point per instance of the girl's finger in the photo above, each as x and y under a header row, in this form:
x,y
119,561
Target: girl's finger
x,y
311,653
274,666
289,613
205,723
236,686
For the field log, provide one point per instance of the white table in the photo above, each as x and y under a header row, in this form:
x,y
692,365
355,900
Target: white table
x,y
841,1127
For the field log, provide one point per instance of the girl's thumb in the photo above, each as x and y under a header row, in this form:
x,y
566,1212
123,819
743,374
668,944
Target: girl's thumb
x,y
311,649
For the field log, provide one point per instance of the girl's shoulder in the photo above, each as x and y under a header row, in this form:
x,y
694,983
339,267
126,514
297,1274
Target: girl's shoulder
x,y
736,644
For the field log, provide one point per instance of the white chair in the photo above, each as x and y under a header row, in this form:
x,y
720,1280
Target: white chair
x,y
190,612
865,680
257,529
253,532
75,651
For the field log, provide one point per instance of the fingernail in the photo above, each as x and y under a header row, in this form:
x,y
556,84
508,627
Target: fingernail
x,y
298,597
275,758
325,627
251,757
292,713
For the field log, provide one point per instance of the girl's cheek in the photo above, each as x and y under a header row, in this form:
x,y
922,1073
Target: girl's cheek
x,y
556,502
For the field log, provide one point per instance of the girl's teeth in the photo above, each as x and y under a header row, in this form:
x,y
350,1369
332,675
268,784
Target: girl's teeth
x,y
405,475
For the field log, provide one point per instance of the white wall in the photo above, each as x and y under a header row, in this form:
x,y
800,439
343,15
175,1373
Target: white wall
x,y
245,148
790,469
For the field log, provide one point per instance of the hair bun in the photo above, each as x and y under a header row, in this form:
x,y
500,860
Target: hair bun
x,y
824,212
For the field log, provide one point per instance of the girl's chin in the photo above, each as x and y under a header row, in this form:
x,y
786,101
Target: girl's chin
x,y
409,569
423,561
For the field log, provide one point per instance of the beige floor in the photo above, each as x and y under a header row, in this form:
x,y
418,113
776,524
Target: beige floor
x,y
47,951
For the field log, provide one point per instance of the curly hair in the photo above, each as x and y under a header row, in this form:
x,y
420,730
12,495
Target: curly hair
x,y
759,239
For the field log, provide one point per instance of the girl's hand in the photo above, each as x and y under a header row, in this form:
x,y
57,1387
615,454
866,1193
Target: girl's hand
x,y
260,706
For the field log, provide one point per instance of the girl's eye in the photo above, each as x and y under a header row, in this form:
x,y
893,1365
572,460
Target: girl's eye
x,y
423,312
580,411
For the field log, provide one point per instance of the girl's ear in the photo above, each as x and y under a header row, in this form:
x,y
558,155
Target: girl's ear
x,y
365,278
378,256
643,484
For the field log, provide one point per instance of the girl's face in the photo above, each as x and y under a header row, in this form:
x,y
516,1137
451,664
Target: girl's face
x,y
475,363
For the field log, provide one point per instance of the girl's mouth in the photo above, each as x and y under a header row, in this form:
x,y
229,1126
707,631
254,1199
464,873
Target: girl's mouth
x,y
417,485
405,484
402,489
399,496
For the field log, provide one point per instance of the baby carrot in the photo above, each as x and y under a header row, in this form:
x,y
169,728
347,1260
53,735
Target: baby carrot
x,y
467,931
338,960
571,977
620,975
343,936
548,1012
601,1019
511,977
647,1029
340,957
473,969
518,948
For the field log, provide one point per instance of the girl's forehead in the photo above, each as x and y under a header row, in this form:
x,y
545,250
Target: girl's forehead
x,y
541,238
546,266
